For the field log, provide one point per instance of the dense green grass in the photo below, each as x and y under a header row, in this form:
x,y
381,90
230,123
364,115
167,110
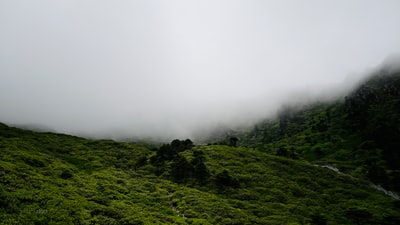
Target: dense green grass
x,y
48,178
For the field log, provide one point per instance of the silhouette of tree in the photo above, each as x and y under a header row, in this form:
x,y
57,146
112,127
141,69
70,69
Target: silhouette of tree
x,y
233,141
201,172
181,169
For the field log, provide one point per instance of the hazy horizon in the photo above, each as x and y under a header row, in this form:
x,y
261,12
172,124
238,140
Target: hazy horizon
x,y
172,69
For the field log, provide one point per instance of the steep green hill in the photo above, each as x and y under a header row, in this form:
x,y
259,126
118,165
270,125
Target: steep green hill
x,y
359,134
48,178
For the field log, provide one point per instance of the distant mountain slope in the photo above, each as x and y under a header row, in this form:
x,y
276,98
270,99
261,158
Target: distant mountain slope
x,y
48,178
360,134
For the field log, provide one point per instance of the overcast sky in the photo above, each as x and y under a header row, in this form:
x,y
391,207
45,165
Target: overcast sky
x,y
173,67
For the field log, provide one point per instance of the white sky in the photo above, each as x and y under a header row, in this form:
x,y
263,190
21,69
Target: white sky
x,y
168,68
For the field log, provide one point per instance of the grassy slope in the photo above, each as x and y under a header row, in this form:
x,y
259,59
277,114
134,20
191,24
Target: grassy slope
x,y
50,178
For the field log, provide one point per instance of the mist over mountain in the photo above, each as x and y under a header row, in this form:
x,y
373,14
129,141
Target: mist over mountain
x,y
219,123
358,133
177,69
218,111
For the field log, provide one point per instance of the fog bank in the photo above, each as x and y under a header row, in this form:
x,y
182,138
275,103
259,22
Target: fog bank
x,y
174,69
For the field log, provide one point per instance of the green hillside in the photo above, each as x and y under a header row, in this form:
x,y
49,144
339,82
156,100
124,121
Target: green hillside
x,y
48,178
359,134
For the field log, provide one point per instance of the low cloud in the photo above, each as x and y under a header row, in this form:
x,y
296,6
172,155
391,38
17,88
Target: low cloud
x,y
177,69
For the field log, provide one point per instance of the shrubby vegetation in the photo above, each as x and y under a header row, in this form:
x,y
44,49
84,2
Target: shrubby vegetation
x,y
359,134
51,178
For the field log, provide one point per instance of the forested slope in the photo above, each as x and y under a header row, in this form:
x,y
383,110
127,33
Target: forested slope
x,y
360,133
